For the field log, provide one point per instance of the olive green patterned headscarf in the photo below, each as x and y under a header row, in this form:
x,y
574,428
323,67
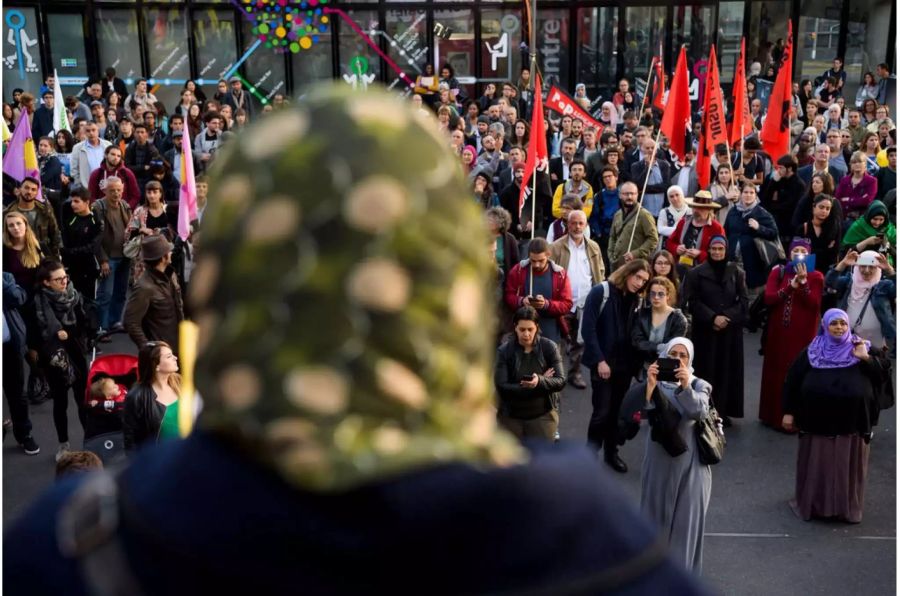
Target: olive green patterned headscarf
x,y
344,297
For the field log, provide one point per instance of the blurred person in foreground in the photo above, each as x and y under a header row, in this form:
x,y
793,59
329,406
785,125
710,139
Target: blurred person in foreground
x,y
353,448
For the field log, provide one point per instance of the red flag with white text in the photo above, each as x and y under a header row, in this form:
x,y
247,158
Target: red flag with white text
x,y
714,130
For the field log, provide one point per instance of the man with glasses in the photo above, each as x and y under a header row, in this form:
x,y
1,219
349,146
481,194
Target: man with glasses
x,y
631,217
821,165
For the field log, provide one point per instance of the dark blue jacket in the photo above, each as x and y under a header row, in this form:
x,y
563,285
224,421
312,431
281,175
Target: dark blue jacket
x,y
607,334
14,299
203,519
740,233
41,123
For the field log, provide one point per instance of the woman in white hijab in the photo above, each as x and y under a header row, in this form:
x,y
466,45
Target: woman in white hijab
x,y
675,486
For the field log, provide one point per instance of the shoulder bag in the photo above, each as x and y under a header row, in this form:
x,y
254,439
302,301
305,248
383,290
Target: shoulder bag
x,y
770,252
710,437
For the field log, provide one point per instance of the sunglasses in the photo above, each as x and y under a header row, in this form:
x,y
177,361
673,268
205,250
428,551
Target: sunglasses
x,y
658,294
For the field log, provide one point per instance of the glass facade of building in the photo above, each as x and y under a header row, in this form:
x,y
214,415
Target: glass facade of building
x,y
589,42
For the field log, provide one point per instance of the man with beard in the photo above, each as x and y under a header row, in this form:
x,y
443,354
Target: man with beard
x,y
805,146
575,185
540,283
39,215
654,179
112,167
629,217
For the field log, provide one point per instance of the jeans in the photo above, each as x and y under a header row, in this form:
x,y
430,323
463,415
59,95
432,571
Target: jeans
x,y
606,399
14,389
112,291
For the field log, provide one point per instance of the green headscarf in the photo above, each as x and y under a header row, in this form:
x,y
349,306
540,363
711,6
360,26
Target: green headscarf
x,y
862,228
344,297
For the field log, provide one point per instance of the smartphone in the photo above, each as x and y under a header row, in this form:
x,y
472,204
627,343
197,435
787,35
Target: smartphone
x,y
667,367
809,260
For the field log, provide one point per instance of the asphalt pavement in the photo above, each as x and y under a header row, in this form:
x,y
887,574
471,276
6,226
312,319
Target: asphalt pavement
x,y
754,544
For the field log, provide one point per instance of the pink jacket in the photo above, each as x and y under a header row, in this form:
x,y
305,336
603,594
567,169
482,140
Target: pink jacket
x,y
855,199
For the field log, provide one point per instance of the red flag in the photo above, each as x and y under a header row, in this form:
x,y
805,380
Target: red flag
x,y
741,122
715,130
658,95
776,130
676,120
561,103
537,156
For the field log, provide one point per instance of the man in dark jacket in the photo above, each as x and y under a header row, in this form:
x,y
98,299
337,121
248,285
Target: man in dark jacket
x,y
42,119
139,155
659,175
529,377
82,233
39,215
606,328
780,194
887,176
154,308
14,348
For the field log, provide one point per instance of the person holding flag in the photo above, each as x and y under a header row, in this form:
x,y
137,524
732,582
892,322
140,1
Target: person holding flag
x,y
537,158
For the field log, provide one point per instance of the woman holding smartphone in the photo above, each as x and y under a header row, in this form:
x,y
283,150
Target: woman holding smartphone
x,y
794,295
675,486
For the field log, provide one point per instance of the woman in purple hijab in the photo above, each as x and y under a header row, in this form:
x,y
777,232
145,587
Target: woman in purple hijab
x,y
832,395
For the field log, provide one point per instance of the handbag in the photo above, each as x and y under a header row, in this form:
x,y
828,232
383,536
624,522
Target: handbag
x,y
710,437
132,248
770,251
664,421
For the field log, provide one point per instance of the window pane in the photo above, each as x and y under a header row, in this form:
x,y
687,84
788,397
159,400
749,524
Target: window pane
x,y
866,42
167,44
768,22
817,38
313,64
407,43
454,41
553,46
598,31
693,26
214,41
263,71
501,35
355,54
116,31
22,63
731,29
646,30
67,50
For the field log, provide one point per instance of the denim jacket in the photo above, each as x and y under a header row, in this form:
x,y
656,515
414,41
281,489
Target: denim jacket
x,y
882,294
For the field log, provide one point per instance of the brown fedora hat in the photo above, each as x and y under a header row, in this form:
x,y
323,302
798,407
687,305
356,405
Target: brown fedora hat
x,y
702,200
155,247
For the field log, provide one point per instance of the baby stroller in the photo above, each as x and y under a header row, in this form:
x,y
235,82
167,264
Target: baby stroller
x,y
103,418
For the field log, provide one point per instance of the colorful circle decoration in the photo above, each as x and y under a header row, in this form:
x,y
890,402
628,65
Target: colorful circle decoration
x,y
288,25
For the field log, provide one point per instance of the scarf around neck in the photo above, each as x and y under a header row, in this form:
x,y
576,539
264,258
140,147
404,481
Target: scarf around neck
x,y
56,310
826,351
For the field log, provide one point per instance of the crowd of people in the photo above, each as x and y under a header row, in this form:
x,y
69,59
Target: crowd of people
x,y
774,242
91,246
629,272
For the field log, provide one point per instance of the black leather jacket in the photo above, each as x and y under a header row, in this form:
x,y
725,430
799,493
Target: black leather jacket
x,y
517,401
676,326
141,417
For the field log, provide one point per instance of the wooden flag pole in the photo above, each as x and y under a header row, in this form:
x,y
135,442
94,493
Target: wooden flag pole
x,y
644,190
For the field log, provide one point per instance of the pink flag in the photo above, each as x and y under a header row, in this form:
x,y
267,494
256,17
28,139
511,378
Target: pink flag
x,y
20,159
187,198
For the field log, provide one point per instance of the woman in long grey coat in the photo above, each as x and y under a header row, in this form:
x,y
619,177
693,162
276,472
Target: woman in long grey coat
x,y
675,486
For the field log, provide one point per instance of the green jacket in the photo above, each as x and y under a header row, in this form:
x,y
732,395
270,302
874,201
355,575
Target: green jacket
x,y
645,237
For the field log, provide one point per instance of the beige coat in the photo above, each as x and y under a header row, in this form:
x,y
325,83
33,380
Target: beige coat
x,y
559,254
